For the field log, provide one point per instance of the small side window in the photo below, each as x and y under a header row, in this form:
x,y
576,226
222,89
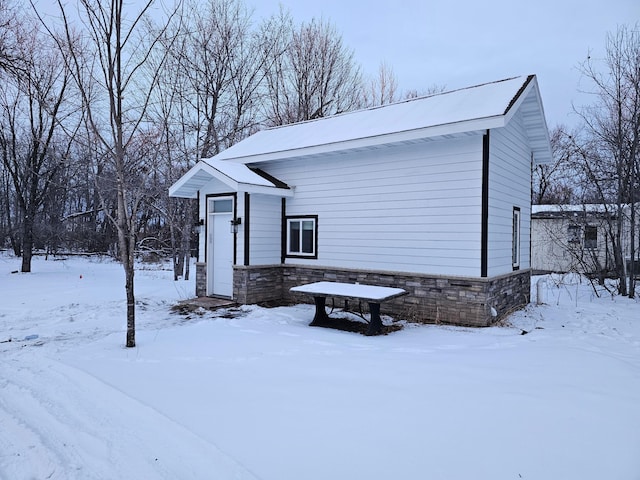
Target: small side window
x,y
515,239
302,236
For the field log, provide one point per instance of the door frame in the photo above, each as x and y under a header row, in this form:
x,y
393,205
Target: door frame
x,y
234,215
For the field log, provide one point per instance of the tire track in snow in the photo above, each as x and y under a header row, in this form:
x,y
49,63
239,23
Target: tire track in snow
x,y
57,422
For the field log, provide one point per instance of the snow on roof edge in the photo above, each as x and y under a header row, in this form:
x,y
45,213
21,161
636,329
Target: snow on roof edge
x,y
566,208
465,106
414,99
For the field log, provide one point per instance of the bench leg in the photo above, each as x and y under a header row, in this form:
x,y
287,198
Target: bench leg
x,y
375,324
320,317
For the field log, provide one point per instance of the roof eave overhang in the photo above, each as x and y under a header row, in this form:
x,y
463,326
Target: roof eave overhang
x,y
202,173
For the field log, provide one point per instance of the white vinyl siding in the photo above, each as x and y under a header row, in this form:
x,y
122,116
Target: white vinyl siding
x,y
509,187
413,208
265,229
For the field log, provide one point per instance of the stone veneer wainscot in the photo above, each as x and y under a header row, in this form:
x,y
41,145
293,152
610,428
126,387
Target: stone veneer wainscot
x,y
431,299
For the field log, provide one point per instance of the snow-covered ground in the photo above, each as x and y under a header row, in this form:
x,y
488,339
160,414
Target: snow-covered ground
x,y
255,393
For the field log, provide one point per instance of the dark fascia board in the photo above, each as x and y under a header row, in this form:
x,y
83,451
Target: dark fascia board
x,y
278,183
518,93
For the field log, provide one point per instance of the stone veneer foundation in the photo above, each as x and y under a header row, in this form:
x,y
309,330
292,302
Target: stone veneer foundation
x,y
431,299
201,279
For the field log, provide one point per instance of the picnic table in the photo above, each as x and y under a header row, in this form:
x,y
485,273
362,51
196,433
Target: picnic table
x,y
374,295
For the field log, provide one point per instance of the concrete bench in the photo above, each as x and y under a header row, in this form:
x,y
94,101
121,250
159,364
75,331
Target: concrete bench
x,y
372,294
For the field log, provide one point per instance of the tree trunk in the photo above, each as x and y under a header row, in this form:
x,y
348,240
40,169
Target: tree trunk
x,y
174,249
185,243
131,305
27,243
632,251
15,244
618,252
187,265
126,239
127,255
127,258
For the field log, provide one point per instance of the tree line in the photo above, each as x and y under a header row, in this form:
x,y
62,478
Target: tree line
x,y
597,161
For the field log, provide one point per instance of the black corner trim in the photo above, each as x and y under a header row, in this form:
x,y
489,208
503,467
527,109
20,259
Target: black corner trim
x,y
283,230
484,240
247,229
517,267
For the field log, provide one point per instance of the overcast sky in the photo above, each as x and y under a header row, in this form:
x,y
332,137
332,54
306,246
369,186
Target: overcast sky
x,y
468,42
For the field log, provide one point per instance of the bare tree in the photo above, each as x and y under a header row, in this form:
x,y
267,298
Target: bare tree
x,y
106,60
220,59
8,235
432,90
171,111
557,182
208,100
610,147
32,103
316,77
86,226
383,88
10,39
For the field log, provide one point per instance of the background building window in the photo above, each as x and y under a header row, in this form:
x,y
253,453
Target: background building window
x,y
573,232
590,237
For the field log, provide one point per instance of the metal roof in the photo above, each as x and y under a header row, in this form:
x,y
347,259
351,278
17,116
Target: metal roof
x,y
481,107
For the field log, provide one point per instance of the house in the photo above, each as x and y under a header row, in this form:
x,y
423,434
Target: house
x,y
430,194
577,238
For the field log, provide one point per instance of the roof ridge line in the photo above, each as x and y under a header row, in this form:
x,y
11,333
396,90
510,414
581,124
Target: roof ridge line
x,y
408,100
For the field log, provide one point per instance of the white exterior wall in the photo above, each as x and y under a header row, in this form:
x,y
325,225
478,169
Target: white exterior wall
x,y
265,229
553,251
414,208
509,186
550,248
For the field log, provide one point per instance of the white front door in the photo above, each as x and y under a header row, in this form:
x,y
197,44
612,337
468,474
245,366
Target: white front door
x,y
220,247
